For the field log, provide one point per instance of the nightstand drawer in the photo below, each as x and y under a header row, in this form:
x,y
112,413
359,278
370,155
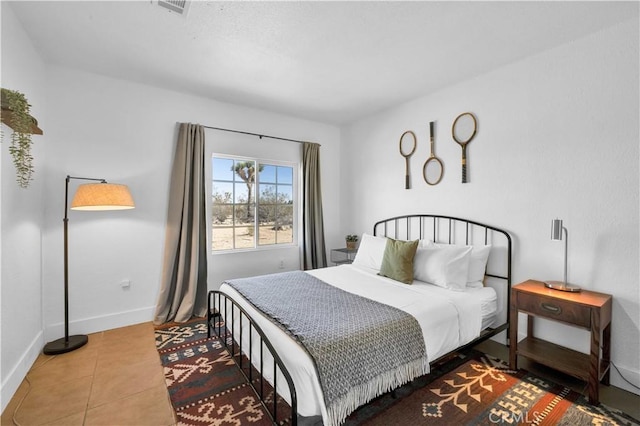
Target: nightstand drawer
x,y
555,309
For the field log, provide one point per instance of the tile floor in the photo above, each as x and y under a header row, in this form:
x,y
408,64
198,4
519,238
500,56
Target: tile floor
x,y
117,379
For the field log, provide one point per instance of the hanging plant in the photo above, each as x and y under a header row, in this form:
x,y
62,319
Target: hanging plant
x,y
16,114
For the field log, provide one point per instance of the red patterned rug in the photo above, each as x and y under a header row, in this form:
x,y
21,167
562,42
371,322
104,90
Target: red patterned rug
x,y
206,388
204,384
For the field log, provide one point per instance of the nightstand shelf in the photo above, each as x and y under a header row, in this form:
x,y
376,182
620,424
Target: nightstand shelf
x,y
555,356
587,309
341,256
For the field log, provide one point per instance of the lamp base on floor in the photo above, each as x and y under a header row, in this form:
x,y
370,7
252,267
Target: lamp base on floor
x,y
562,286
63,345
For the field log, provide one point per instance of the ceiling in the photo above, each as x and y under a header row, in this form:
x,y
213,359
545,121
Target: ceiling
x,y
332,62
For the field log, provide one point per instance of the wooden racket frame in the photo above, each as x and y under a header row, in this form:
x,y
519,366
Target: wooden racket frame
x,y
407,156
465,143
432,158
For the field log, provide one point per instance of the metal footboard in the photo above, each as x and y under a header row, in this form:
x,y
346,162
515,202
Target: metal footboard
x,y
224,310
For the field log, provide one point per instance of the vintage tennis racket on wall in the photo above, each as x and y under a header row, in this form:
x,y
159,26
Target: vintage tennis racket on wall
x,y
463,130
408,144
433,168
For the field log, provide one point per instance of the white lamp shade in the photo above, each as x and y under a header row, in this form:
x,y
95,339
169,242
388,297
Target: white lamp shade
x,y
102,196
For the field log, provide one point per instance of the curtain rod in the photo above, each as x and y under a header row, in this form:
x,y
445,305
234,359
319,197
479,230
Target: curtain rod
x,y
254,134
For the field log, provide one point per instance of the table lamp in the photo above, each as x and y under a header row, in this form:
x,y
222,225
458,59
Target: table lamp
x,y
556,234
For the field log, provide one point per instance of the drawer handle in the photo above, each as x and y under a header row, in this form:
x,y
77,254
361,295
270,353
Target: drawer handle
x,y
551,308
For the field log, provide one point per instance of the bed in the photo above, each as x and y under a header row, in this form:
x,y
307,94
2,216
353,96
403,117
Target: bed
x,y
441,312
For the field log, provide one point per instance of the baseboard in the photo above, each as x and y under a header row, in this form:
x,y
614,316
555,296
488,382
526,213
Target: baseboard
x,y
630,375
500,338
100,323
12,381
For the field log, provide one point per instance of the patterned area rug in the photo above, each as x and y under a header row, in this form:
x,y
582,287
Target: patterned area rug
x,y
205,385
206,388
484,391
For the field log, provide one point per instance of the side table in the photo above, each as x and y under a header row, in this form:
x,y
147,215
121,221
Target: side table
x,y
589,310
341,256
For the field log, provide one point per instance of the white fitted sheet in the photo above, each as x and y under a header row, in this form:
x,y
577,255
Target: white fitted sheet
x,y
448,319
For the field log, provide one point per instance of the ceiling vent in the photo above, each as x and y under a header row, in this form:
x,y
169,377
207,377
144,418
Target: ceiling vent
x,y
179,6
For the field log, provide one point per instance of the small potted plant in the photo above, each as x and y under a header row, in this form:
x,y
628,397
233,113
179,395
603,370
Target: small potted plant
x,y
351,240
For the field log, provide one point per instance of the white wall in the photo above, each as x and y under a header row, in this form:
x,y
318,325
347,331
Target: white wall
x,y
557,137
126,132
21,212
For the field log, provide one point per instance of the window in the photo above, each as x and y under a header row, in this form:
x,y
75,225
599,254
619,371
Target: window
x,y
253,203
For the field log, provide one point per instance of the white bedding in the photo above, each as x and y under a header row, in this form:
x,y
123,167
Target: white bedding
x,y
448,319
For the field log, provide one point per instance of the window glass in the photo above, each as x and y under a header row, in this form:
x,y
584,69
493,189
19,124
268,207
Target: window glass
x,y
267,194
253,203
268,174
285,194
222,169
285,175
284,224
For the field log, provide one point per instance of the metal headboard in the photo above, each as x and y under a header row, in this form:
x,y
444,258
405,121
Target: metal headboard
x,y
454,230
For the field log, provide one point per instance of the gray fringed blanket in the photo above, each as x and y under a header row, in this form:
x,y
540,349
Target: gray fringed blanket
x,y
361,348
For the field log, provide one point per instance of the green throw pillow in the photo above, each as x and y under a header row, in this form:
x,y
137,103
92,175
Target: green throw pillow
x,y
397,261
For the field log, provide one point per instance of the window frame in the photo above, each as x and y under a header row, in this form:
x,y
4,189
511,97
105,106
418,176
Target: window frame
x,y
296,198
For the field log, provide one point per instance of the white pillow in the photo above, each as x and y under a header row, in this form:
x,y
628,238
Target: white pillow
x,y
475,284
425,243
477,263
443,265
370,251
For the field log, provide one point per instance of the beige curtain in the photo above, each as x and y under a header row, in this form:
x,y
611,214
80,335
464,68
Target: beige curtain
x,y
183,291
314,253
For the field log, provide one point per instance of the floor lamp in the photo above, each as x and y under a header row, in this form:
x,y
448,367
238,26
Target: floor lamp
x,y
89,196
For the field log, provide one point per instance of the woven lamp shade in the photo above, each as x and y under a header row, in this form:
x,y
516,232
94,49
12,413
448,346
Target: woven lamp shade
x,y
102,196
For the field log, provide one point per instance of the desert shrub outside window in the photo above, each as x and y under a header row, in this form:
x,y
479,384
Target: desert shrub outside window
x,y
253,203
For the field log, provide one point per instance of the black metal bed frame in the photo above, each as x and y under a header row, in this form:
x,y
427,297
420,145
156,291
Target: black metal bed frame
x,y
399,227
395,226
218,324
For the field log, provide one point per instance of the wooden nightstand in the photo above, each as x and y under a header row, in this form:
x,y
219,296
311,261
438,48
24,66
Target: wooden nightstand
x,y
587,309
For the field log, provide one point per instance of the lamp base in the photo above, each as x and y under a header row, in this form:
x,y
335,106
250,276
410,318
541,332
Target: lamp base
x,y
63,345
562,286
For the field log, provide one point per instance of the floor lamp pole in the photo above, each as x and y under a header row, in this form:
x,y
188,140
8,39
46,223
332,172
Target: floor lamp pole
x,y
67,343
66,262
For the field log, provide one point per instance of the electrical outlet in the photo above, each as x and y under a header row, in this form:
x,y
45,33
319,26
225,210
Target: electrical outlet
x,y
281,264
125,284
